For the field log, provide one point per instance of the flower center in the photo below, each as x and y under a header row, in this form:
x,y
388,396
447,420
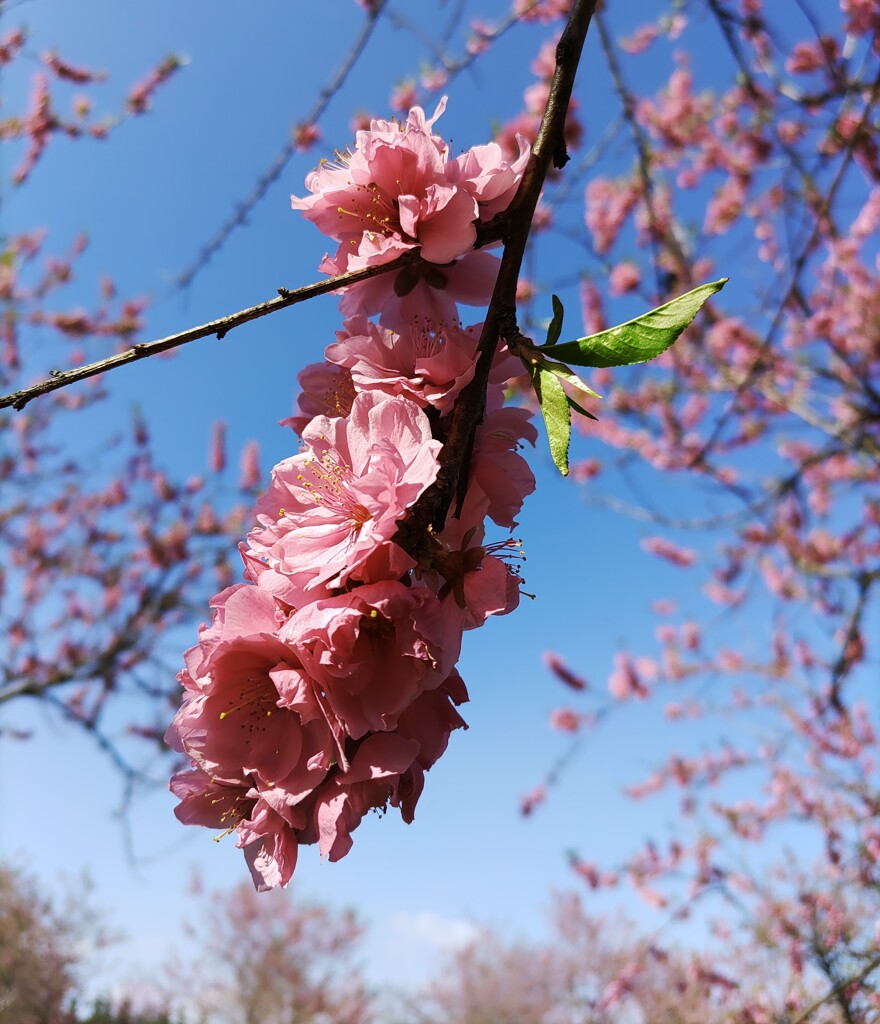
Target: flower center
x,y
328,482
374,210
254,702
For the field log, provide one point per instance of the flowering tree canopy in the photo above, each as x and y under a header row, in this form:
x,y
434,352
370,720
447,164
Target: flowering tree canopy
x,y
326,684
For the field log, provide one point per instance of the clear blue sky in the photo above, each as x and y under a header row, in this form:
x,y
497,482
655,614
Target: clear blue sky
x,y
148,198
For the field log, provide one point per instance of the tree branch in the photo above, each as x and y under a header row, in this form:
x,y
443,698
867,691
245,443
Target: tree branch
x,y
486,235
798,266
643,152
219,328
429,512
837,989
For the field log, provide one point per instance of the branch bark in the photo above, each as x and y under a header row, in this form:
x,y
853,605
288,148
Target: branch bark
x,y
486,235
219,328
429,512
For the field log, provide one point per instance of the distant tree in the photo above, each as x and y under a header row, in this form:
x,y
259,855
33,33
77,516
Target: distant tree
x,y
270,959
40,949
592,971
104,1011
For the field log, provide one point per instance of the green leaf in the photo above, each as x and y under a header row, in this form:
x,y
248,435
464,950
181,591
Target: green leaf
x,y
580,409
557,419
568,375
638,340
555,328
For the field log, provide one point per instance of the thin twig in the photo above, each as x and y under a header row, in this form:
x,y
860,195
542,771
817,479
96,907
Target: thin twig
x,y
220,327
643,151
487,234
282,159
835,990
845,661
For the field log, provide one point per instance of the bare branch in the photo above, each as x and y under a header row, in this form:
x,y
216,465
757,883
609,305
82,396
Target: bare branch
x,y
643,151
219,328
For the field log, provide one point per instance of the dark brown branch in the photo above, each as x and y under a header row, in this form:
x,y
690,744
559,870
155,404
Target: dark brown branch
x,y
429,512
486,235
219,328
845,661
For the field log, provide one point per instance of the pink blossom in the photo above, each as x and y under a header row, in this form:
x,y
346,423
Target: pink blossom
x,y
266,825
532,800
497,469
565,720
250,466
428,363
141,95
716,591
482,35
423,291
641,39
664,548
804,58
404,95
624,681
613,993
327,390
541,10
608,204
563,673
862,16
690,635
249,708
391,195
381,772
675,25
585,469
488,176
305,136
388,768
399,191
592,312
525,124
331,512
217,455
238,611
434,79
432,718
625,277
479,579
726,205
373,651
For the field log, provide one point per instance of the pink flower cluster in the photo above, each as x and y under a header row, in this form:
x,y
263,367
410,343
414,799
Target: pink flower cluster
x,y
326,685
399,190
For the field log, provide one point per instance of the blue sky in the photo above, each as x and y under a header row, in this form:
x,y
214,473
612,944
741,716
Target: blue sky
x,y
149,197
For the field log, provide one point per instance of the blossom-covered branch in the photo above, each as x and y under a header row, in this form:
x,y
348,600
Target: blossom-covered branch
x,y
326,683
500,322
